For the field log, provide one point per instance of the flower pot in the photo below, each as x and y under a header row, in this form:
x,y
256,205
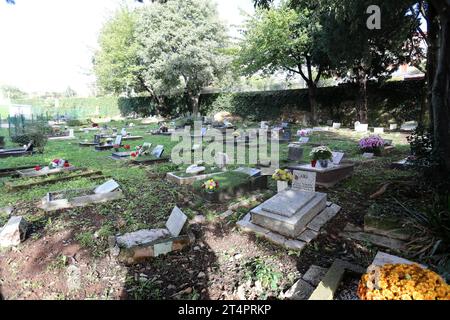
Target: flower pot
x,y
281,185
313,163
323,163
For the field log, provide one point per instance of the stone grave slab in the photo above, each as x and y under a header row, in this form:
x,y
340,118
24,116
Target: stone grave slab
x,y
121,155
288,203
252,172
141,237
195,169
303,140
356,233
378,130
176,221
336,125
368,155
314,275
13,232
289,224
393,126
327,177
108,186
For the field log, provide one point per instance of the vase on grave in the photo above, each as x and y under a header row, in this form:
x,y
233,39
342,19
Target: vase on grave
x,y
282,185
313,163
323,163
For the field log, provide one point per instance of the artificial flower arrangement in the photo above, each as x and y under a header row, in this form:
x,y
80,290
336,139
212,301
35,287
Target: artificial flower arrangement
x,y
402,282
302,133
210,185
321,154
59,163
117,147
282,175
142,150
236,134
373,144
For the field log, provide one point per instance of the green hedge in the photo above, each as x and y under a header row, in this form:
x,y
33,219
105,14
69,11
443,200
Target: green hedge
x,y
395,100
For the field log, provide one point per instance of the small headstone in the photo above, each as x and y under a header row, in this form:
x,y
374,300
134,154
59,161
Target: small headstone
x,y
367,155
194,169
409,126
97,139
264,125
378,130
303,140
14,231
362,127
108,186
304,180
71,133
123,132
336,125
337,157
329,122
158,151
203,131
295,152
387,142
176,221
221,159
393,126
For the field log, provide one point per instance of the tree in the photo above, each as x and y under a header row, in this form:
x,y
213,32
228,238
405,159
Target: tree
x,y
12,92
181,46
69,92
117,64
360,54
286,39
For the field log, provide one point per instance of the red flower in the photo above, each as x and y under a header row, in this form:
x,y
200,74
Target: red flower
x,y
55,160
37,168
127,146
133,154
66,164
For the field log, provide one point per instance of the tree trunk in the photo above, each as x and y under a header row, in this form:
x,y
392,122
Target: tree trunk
x,y
440,98
194,102
431,59
363,101
312,94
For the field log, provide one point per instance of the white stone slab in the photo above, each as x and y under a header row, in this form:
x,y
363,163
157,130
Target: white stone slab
x,y
288,202
361,127
336,125
303,140
118,140
304,180
194,169
337,157
368,155
378,130
141,237
252,172
13,232
162,248
108,186
393,126
176,221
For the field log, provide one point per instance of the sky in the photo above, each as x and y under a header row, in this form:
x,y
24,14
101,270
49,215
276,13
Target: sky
x,y
47,45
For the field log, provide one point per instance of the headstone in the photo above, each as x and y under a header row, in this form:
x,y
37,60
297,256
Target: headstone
x,y
108,186
203,131
14,231
336,125
264,125
304,180
387,142
378,130
288,202
295,152
196,147
221,159
362,127
409,126
357,123
97,139
368,155
276,134
337,157
393,126
176,221
287,134
118,140
194,169
329,122
303,139
123,132
158,151
71,133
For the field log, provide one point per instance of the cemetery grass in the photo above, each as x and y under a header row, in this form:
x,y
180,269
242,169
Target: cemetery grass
x,y
222,263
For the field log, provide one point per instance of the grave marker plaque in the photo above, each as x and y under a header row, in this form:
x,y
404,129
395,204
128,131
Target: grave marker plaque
x,y
107,187
304,180
158,151
337,157
176,221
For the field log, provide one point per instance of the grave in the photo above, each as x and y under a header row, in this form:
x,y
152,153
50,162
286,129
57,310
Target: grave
x,y
177,178
330,176
129,137
378,130
109,146
291,218
13,232
69,135
45,171
124,155
154,157
336,125
7,172
135,247
295,152
359,127
66,199
17,152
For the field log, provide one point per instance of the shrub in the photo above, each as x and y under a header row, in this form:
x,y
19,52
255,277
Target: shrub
x,y
74,123
39,139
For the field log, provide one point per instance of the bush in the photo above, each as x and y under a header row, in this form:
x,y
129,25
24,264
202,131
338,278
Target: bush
x,y
38,137
74,123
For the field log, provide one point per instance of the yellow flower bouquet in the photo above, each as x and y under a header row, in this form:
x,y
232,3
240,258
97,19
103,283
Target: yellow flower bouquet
x,y
402,282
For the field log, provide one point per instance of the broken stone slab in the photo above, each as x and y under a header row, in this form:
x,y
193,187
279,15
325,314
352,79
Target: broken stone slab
x,y
301,290
356,233
143,251
322,218
73,278
176,221
194,169
329,284
107,187
308,235
314,275
13,232
141,237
